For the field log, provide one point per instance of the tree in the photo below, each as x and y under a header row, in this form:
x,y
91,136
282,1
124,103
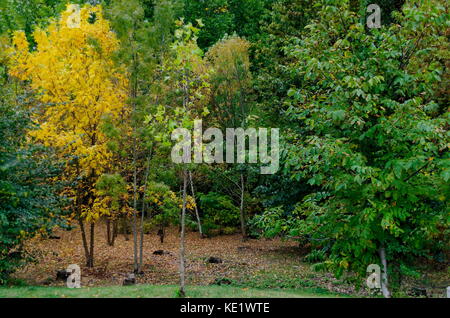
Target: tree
x,y
113,189
185,81
128,21
282,26
375,141
145,35
78,85
197,215
230,105
163,205
29,201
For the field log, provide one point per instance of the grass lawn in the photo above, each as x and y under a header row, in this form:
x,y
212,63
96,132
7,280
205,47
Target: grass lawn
x,y
155,291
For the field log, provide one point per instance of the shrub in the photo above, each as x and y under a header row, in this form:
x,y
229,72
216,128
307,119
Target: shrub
x,y
218,212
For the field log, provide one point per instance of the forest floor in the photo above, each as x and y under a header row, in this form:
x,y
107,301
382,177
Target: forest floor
x,y
260,264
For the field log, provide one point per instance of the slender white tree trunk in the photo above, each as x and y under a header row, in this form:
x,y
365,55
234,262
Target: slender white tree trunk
x,y
384,274
182,238
133,94
196,208
242,214
135,238
141,244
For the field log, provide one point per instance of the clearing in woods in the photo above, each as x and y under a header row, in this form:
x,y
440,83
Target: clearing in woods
x,y
254,268
254,263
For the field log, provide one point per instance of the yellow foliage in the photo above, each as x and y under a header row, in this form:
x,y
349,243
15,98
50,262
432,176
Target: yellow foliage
x,y
190,203
78,84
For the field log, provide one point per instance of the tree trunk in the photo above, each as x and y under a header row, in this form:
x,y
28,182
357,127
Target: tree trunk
x,y
111,231
242,214
161,233
85,244
133,93
108,232
196,208
91,261
125,228
141,244
384,274
114,229
135,243
182,251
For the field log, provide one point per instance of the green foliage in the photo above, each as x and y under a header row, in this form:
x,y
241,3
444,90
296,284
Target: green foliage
x,y
231,82
218,211
149,226
162,204
215,14
363,114
248,15
29,203
281,27
316,256
388,7
112,186
374,141
222,17
185,76
28,15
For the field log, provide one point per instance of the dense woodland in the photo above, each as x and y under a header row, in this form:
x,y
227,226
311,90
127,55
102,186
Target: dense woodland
x,y
88,104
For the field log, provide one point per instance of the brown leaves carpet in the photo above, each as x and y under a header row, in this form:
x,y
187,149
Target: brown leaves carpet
x,y
112,264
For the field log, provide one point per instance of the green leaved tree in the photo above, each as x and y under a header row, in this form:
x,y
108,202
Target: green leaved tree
x,y
374,136
29,200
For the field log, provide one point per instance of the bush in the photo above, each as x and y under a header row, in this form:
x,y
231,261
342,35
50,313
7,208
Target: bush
x,y
29,203
149,226
219,212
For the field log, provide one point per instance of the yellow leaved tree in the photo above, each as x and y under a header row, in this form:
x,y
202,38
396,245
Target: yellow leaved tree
x,y
72,71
